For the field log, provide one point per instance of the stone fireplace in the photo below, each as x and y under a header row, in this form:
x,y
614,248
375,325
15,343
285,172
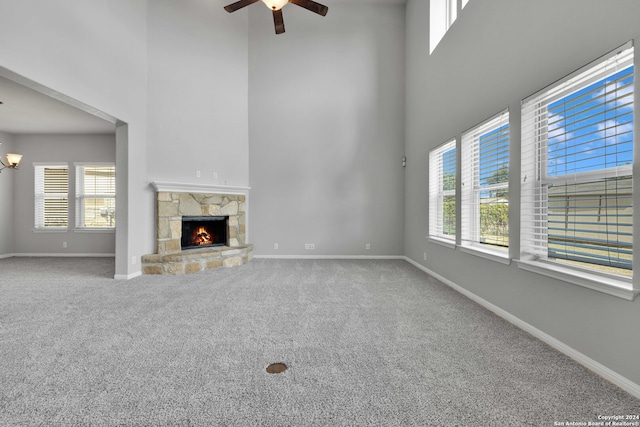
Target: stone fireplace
x,y
198,230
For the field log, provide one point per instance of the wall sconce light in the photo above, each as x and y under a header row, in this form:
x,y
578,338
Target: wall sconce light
x,y
12,161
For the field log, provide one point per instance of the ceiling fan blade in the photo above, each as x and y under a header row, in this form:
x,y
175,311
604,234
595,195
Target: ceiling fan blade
x,y
239,5
311,5
278,21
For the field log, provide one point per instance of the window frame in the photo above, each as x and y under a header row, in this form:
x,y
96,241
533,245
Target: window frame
x,y
442,15
80,197
471,189
437,194
535,182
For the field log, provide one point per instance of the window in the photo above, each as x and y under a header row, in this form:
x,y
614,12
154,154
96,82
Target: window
x,y
443,13
485,185
442,192
464,3
51,196
577,155
95,195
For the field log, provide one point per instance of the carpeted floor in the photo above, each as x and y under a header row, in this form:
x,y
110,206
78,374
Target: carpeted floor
x,y
367,343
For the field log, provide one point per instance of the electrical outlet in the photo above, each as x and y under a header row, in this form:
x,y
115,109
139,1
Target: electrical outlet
x,y
215,175
367,246
134,260
275,246
198,174
64,244
425,256
309,246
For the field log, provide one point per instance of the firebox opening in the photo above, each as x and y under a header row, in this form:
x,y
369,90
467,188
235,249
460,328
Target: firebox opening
x,y
203,231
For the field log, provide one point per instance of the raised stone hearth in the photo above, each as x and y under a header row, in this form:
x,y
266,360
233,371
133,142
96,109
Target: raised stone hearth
x,y
172,205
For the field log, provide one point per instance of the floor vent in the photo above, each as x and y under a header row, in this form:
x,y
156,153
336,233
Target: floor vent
x,y
276,368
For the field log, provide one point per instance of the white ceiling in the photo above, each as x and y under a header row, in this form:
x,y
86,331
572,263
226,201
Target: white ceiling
x,y
26,111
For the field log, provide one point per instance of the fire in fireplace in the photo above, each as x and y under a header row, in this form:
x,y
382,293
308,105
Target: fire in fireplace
x,y
203,231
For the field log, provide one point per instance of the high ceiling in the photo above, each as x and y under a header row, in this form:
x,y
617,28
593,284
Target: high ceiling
x,y
26,111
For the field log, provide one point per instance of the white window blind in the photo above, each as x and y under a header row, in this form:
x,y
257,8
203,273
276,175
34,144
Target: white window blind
x,y
442,191
95,195
51,196
577,155
485,183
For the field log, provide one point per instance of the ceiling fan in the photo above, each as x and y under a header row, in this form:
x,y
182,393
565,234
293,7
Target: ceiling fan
x,y
276,7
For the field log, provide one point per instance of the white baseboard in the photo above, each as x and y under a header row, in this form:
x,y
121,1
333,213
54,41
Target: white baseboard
x,y
127,276
598,368
330,256
7,256
59,255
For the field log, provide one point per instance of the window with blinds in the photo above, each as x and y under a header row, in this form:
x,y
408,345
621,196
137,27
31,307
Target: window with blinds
x,y
95,196
485,184
442,191
51,196
577,155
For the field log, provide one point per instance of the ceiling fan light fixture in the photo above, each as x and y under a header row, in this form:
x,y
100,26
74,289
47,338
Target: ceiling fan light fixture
x,y
276,9
275,4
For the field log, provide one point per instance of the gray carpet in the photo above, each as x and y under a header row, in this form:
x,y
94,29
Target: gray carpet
x,y
367,343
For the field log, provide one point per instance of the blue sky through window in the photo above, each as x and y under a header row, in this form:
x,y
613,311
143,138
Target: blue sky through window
x,y
494,156
592,128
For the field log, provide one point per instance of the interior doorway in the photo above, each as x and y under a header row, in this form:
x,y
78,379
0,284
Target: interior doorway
x,y
30,108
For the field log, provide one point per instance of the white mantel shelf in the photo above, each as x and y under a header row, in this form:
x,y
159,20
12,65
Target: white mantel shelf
x,y
181,187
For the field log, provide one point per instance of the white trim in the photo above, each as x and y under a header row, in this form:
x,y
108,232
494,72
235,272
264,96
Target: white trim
x,y
177,187
329,256
487,253
104,230
608,285
60,164
488,124
65,255
449,244
50,230
598,368
127,276
584,69
3,256
94,163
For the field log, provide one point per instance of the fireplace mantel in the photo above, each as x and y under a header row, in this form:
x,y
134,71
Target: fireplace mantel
x,y
182,187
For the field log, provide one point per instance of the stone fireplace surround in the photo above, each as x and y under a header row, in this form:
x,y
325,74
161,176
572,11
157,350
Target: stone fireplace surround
x,y
175,200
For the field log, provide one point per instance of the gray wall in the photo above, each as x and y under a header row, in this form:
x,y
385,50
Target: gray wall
x,y
326,130
178,68
57,148
198,101
94,52
6,197
497,53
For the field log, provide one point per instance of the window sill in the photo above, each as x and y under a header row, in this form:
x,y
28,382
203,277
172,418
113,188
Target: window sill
x,y
50,230
609,285
95,230
487,253
443,242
